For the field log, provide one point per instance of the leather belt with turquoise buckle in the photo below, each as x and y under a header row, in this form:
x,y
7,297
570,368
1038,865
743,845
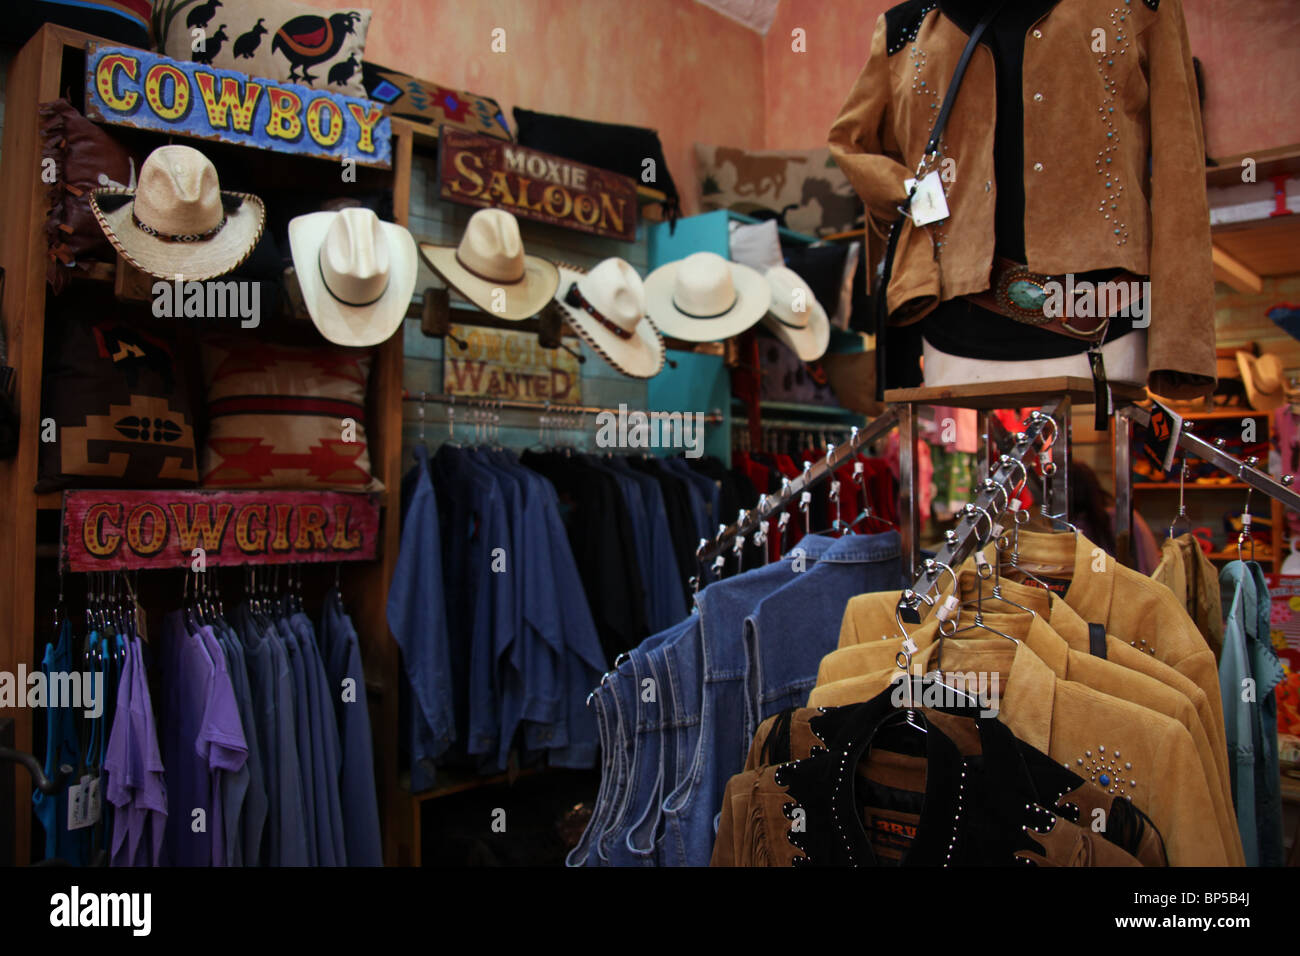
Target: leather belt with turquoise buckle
x,y
1021,294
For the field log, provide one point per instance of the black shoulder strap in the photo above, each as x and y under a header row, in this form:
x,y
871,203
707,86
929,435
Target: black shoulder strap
x,y
1097,640
931,147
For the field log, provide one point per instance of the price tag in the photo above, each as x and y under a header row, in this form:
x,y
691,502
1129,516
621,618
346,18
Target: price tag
x,y
929,203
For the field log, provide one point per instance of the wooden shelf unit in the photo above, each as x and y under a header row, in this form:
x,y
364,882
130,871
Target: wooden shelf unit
x,y
50,65
1274,510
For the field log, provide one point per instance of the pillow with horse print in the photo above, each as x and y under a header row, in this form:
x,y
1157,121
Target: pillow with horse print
x,y
802,189
274,39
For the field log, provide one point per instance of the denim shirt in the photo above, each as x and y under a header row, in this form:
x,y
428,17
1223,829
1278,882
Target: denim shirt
x,y
665,601
480,610
792,629
1251,725
536,656
417,620
722,741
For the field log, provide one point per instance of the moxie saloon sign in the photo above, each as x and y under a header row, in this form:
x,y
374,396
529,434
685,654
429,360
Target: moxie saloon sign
x,y
481,171
132,87
112,530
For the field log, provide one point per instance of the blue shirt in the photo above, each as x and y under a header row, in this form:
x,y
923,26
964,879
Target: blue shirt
x,y
331,849
61,747
359,802
417,619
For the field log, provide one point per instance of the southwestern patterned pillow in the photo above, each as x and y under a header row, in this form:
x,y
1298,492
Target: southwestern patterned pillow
x,y
115,410
802,188
282,417
275,39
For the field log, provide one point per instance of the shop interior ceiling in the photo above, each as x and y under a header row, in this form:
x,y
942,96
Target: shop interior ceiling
x,y
755,14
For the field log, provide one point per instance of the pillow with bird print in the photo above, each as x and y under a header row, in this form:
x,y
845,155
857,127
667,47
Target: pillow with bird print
x,y
274,39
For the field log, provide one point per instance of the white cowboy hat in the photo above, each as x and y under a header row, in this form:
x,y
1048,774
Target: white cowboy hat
x,y
606,306
705,298
356,273
1262,376
795,315
178,221
490,269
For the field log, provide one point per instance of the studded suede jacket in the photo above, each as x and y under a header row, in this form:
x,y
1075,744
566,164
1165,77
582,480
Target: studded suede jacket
x,y
849,786
1114,173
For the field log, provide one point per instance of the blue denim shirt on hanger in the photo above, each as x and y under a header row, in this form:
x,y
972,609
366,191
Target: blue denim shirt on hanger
x,y
358,799
480,612
721,743
1268,672
523,664
665,602
536,656
327,752
791,630
417,619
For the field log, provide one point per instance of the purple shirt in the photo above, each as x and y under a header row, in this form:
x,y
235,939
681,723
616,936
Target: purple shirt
x,y
135,770
202,740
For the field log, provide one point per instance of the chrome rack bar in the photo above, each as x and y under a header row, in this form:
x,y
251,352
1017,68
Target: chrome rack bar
x,y
514,404
1006,474
776,502
1253,477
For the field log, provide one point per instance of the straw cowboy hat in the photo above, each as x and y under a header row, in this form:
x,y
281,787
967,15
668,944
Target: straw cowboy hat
x,y
490,261
795,315
606,306
705,298
178,221
356,273
1263,379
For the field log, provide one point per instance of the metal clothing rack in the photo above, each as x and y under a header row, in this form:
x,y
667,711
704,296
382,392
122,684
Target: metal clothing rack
x,y
555,408
776,502
1212,452
1006,474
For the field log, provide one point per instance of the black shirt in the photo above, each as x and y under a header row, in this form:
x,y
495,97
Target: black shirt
x,y
956,326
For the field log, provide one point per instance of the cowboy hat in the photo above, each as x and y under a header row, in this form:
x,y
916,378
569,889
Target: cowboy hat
x,y
606,306
1263,379
795,315
705,298
356,273
178,221
490,261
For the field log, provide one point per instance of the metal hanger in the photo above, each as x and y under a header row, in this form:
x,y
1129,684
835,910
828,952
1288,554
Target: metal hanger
x,y
1246,532
1182,504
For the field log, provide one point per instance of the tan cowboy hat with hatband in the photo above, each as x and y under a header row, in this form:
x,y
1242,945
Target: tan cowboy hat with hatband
x,y
356,273
1262,376
178,221
795,315
491,270
606,306
705,298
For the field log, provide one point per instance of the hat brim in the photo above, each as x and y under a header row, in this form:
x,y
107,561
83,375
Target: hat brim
x,y
809,342
190,261
353,325
1259,400
523,299
753,296
641,356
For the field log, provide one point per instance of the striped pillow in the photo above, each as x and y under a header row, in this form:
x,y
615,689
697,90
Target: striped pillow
x,y
282,417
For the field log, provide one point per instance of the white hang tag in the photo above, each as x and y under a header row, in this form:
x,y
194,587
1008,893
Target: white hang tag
x,y
929,203
78,815
909,647
94,805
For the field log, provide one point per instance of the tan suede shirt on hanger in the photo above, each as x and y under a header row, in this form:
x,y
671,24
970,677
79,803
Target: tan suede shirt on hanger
x,y
1194,581
1139,753
1074,629
861,651
1127,604
1092,120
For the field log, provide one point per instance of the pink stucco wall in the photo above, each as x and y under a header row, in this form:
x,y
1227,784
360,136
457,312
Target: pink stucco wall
x,y
672,65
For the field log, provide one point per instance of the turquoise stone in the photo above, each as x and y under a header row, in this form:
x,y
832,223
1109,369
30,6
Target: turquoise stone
x,y
1027,295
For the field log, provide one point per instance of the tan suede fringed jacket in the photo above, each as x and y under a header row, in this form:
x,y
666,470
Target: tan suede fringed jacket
x,y
1109,93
